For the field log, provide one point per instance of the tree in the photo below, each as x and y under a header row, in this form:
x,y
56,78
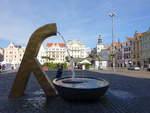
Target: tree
x,y
47,58
47,63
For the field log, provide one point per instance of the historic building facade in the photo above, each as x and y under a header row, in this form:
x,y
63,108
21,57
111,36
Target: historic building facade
x,y
99,55
76,49
119,55
56,51
13,54
127,51
137,49
145,47
123,53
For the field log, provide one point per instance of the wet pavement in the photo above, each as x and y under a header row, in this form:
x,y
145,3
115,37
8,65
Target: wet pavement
x,y
125,95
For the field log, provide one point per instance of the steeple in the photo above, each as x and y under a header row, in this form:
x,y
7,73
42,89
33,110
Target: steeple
x,y
11,44
99,41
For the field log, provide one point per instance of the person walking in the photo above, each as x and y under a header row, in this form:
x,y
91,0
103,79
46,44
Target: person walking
x,y
0,68
59,71
3,67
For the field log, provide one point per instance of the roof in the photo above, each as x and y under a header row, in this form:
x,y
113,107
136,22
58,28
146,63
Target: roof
x,y
17,46
12,44
117,44
139,34
130,38
77,60
55,45
85,61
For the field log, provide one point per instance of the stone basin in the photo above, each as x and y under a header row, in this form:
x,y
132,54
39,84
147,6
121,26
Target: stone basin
x,y
81,88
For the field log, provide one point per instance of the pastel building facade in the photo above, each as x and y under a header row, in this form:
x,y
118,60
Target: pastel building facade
x,y
137,49
127,51
76,49
13,54
123,52
119,55
145,47
56,51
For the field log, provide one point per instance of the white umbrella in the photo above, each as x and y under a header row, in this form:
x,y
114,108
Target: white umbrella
x,y
85,62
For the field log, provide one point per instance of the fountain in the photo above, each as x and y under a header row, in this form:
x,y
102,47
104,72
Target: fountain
x,y
79,88
69,88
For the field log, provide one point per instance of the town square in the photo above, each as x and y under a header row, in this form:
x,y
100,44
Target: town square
x,y
65,58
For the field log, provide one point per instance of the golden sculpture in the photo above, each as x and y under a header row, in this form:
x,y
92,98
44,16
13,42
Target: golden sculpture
x,y
31,64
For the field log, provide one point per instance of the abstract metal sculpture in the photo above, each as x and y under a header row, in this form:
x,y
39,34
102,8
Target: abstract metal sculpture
x,y
30,64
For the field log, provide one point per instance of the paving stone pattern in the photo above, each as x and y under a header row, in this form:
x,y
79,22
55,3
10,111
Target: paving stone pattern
x,y
125,95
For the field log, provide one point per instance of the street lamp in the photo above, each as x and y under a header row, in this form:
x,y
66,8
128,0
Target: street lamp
x,y
112,15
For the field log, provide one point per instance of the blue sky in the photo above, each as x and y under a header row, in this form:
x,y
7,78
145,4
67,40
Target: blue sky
x,y
80,20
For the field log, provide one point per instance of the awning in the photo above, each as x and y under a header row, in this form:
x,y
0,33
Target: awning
x,y
85,62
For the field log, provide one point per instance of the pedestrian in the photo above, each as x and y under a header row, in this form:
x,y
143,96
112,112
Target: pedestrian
x,y
59,71
3,67
0,68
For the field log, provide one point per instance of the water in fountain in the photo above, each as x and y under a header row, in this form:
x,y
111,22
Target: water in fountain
x,y
71,59
83,83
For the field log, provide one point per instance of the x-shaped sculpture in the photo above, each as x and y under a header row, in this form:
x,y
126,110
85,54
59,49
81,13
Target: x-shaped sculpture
x,y
31,64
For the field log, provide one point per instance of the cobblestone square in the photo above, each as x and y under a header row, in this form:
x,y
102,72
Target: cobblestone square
x,y
127,94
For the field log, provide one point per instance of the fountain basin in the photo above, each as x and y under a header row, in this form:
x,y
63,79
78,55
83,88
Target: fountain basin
x,y
81,88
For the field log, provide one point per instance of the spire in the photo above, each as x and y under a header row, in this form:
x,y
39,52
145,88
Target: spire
x,y
99,41
11,44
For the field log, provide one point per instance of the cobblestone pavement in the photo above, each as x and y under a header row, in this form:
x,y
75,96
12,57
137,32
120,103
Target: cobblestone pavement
x,y
126,95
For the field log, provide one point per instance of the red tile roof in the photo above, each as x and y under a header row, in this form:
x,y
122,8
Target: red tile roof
x,y
130,38
55,44
117,44
139,34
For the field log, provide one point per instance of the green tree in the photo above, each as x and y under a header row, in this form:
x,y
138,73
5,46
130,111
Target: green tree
x,y
47,58
87,65
53,66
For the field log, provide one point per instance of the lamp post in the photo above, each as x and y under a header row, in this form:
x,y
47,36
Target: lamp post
x,y
112,15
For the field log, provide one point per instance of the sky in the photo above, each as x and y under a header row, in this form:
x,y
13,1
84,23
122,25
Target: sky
x,y
80,20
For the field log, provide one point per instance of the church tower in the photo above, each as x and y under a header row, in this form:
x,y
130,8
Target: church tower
x,y
99,45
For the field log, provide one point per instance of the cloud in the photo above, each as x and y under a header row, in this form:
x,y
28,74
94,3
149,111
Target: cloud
x,y
78,19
